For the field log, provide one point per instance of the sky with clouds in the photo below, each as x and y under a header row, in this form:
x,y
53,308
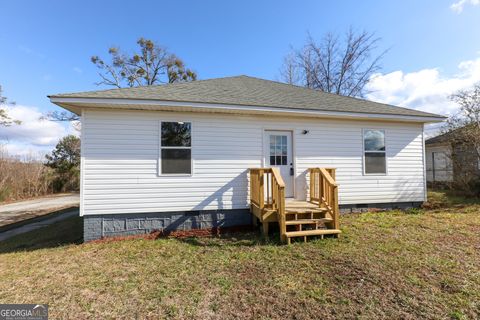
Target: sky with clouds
x,y
433,48
426,89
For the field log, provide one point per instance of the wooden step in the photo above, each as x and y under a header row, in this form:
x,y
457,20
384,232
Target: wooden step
x,y
292,205
291,234
307,221
304,210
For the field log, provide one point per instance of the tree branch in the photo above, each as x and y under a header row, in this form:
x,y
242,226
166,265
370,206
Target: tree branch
x,y
328,66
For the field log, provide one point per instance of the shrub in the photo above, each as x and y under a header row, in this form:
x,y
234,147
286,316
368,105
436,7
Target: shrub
x,y
23,178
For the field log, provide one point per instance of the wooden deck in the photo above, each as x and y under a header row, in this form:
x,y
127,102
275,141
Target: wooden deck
x,y
296,218
298,206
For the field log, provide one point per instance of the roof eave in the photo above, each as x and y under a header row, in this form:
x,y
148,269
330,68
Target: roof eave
x,y
75,104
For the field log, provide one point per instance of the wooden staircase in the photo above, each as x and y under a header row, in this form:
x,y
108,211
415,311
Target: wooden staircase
x,y
318,216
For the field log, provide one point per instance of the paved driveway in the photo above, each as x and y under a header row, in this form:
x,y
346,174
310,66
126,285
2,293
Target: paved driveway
x,y
38,224
22,210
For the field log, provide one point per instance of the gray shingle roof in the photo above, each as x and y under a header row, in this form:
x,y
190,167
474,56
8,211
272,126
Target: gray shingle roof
x,y
438,139
447,137
249,91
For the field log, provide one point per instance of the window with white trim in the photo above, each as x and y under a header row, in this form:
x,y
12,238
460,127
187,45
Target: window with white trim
x,y
375,157
176,148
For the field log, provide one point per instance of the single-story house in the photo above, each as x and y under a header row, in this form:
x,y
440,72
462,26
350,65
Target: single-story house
x,y
215,153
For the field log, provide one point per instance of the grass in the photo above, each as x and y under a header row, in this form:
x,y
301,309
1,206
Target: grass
x,y
448,199
425,264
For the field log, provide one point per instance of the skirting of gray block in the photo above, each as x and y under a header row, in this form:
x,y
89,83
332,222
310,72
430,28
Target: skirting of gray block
x,y
113,225
358,208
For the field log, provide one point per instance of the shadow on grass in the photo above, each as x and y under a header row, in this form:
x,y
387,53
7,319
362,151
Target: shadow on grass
x,y
235,239
70,231
65,232
246,239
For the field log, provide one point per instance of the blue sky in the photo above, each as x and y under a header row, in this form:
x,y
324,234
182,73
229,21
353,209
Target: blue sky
x,y
46,45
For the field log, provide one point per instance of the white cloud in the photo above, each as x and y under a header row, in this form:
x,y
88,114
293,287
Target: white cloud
x,y
77,70
426,90
32,136
459,5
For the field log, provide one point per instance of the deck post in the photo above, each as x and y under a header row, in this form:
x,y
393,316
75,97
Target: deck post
x,y
281,215
312,191
336,209
265,229
261,198
254,220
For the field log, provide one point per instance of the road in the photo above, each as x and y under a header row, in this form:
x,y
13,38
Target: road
x,y
38,224
23,210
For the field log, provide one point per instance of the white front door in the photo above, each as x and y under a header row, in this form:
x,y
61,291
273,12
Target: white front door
x,y
278,153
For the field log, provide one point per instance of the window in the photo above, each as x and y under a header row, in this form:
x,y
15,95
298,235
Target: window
x,y
176,148
278,150
374,148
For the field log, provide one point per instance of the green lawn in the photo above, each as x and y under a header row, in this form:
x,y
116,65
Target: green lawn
x,y
410,265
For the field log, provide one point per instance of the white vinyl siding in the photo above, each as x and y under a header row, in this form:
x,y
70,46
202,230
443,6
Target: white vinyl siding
x,y
121,149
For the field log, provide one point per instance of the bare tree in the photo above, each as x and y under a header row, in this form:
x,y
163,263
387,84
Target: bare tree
x,y
337,65
5,119
290,71
23,176
62,116
154,64
463,132
3,100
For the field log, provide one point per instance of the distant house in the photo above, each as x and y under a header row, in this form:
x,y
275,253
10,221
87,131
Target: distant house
x,y
448,160
438,156
209,154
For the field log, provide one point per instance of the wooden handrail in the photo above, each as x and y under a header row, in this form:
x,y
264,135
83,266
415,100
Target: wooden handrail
x,y
267,191
278,177
324,191
257,187
327,176
263,182
267,195
278,201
